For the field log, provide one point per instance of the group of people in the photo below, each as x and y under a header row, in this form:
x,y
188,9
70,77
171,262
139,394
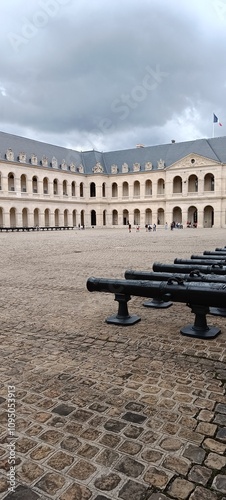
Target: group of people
x,y
153,227
149,227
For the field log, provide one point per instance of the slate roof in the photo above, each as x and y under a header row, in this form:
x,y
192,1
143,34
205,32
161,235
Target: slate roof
x,y
214,149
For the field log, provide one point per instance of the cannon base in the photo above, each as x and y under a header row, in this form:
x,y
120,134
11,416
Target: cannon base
x,y
218,311
200,329
191,331
123,317
123,321
157,304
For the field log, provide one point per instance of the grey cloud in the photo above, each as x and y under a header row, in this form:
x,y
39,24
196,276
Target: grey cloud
x,y
106,72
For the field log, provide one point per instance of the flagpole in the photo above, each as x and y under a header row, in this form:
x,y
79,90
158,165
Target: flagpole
x,y
213,125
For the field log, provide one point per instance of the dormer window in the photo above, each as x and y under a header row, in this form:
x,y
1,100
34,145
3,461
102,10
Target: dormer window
x,y
9,155
34,160
22,157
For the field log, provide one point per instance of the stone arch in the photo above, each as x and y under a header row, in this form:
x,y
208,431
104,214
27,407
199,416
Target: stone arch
x,y
34,184
92,191
45,184
55,186
209,183
114,190
160,216
81,191
46,217
125,217
11,181
208,216
93,217
73,188
114,217
192,216
36,217
23,183
65,193
74,217
148,216
148,187
66,217
136,189
177,184
161,186
1,217
12,217
125,189
57,217
193,184
177,215
136,217
25,217
82,218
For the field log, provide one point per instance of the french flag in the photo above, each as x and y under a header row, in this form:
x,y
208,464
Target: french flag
x,y
216,120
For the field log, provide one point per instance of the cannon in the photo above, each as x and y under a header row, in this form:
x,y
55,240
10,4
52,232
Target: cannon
x,y
217,269
220,253
200,262
195,276
199,296
210,257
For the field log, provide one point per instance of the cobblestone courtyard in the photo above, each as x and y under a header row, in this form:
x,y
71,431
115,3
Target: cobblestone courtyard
x,y
106,412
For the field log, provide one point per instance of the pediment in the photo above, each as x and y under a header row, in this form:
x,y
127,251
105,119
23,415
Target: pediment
x,y
194,160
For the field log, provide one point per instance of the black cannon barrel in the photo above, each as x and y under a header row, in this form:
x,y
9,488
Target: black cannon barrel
x,y
215,252
200,262
165,276
206,294
210,257
220,249
217,269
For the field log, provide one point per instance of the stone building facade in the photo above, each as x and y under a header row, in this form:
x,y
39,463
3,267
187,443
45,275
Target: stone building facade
x,y
46,185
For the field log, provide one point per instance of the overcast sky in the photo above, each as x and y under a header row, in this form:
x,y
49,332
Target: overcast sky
x,y
107,75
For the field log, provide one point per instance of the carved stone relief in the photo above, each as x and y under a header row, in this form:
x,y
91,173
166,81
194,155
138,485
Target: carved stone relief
x,y
148,165
98,169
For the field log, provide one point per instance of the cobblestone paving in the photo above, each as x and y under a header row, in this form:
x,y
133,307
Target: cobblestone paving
x,y
105,412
